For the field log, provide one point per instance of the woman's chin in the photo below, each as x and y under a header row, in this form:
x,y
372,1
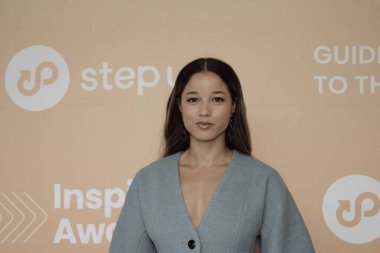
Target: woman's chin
x,y
207,137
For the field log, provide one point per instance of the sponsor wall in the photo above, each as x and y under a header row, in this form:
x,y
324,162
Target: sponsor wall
x,y
83,93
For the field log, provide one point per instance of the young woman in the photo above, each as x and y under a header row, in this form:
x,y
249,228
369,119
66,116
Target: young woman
x,y
208,194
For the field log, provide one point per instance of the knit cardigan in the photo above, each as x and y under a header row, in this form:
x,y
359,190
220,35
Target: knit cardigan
x,y
251,203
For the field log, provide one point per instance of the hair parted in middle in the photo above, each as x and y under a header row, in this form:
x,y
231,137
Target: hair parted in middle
x,y
237,133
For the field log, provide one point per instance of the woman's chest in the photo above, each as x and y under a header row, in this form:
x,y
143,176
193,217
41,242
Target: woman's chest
x,y
231,214
197,188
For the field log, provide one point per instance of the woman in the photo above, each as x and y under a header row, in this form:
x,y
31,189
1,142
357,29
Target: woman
x,y
208,194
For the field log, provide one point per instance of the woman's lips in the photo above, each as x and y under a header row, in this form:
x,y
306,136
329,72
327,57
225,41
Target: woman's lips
x,y
204,125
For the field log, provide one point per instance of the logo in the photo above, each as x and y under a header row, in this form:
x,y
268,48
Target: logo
x,y
351,208
20,217
37,78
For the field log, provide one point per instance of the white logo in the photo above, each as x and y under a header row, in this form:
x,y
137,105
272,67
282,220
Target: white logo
x,y
351,208
21,217
37,78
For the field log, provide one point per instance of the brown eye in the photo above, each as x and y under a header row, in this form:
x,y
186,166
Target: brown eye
x,y
192,100
218,100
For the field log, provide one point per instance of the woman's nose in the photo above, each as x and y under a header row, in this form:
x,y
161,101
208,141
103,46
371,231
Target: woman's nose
x,y
205,109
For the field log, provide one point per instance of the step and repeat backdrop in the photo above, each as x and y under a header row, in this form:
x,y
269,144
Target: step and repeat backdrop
x,y
84,86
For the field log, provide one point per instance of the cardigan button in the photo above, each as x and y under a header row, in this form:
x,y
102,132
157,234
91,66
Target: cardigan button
x,y
191,244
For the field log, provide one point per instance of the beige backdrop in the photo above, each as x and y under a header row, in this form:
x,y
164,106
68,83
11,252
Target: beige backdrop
x,y
314,114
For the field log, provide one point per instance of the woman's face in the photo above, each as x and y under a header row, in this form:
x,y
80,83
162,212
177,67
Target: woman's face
x,y
206,107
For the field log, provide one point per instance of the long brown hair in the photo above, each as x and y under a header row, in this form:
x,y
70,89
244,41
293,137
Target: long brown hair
x,y
237,134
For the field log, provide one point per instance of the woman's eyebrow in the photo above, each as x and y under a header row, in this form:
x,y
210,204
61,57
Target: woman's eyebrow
x,y
196,92
191,93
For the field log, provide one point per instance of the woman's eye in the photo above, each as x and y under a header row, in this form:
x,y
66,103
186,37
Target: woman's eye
x,y
192,100
218,99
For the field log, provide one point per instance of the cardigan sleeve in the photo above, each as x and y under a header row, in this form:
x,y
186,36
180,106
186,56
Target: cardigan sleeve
x,y
130,235
283,229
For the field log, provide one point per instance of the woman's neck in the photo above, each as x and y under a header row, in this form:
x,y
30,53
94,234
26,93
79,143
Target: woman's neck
x,y
205,154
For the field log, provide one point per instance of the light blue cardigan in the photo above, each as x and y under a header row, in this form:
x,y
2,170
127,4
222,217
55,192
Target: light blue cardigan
x,y
251,202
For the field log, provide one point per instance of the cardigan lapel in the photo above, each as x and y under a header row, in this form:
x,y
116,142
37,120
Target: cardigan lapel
x,y
216,194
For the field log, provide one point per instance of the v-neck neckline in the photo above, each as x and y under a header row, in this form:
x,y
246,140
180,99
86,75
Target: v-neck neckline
x,y
213,196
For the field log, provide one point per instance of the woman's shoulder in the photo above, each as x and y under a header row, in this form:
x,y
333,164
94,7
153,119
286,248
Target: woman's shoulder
x,y
255,165
159,165
262,174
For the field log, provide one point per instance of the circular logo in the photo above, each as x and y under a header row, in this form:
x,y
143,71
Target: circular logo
x,y
351,208
37,78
